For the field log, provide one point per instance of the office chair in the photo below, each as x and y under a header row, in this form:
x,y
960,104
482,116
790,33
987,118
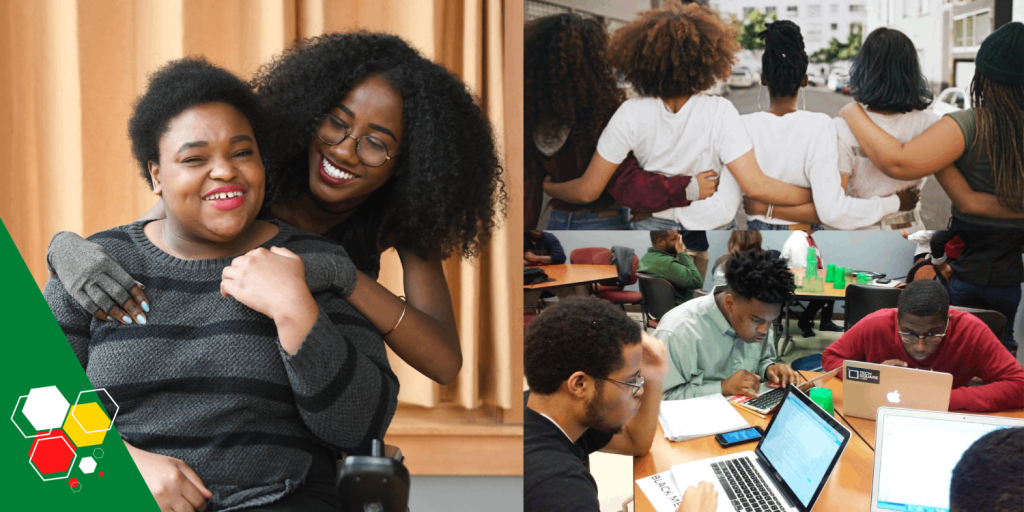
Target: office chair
x,y
995,320
862,300
659,296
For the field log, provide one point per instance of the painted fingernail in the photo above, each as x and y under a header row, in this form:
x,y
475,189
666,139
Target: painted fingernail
x,y
141,319
126,319
145,306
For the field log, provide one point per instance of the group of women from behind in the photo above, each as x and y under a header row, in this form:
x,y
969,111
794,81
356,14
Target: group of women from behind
x,y
255,355
675,158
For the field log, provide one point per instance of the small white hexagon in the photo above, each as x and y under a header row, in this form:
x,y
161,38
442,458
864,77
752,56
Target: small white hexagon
x,y
46,408
88,465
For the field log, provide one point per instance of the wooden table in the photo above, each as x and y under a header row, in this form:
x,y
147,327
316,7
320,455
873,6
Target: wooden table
x,y
829,293
570,275
848,488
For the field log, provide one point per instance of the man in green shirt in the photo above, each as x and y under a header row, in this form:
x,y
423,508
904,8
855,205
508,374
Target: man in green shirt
x,y
722,343
667,259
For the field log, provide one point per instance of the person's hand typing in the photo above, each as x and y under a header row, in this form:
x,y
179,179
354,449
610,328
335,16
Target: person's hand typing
x,y
781,374
703,498
175,487
742,382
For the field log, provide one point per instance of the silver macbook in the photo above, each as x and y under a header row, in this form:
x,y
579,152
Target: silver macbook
x,y
787,470
916,451
868,386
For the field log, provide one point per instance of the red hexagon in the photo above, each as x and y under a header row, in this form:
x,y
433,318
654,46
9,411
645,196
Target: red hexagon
x,y
53,453
73,482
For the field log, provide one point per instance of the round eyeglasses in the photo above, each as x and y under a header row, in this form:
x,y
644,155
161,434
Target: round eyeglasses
x,y
635,385
333,131
929,338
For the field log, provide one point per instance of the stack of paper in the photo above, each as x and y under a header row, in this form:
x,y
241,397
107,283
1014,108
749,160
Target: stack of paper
x,y
661,490
699,417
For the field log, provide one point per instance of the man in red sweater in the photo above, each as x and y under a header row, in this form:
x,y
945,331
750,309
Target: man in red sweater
x,y
924,333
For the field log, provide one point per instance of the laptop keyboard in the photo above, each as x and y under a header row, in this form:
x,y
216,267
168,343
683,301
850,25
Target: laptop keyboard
x,y
767,401
744,486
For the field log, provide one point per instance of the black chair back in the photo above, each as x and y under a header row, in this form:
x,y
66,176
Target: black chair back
x,y
862,300
993,319
658,294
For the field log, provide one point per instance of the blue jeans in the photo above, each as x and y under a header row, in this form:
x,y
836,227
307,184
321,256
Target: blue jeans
x,y
754,224
657,224
1003,299
589,220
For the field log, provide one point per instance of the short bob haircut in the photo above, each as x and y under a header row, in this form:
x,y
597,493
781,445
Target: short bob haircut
x,y
176,87
886,75
584,334
678,50
447,193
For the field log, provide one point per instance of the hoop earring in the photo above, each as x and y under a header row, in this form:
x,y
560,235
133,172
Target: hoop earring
x,y
759,89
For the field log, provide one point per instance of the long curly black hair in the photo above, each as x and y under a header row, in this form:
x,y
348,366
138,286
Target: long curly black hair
x,y
567,79
447,194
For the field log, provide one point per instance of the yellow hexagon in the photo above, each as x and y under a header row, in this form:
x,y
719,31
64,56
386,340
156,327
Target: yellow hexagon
x,y
93,418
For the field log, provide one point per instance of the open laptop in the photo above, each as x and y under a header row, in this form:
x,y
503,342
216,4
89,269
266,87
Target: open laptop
x,y
769,398
916,451
868,386
787,470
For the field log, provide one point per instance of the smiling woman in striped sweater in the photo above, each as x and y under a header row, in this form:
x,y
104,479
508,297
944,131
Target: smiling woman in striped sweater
x,y
239,391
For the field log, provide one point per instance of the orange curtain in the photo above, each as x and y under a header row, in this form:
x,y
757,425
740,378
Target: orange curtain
x,y
73,67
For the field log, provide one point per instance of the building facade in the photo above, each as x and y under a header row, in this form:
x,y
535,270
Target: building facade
x,y
819,20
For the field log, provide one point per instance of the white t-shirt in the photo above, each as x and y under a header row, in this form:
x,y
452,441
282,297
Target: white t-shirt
x,y
866,180
799,148
705,134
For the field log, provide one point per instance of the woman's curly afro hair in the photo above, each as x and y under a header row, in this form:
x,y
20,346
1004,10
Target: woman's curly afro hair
x,y
447,194
567,79
678,50
176,87
584,334
760,275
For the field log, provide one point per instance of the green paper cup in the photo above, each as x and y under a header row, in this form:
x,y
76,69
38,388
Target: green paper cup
x,y
830,274
823,397
840,281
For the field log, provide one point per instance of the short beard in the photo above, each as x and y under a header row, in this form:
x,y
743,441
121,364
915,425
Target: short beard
x,y
592,417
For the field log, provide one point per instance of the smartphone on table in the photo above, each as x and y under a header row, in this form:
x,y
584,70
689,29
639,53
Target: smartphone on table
x,y
745,435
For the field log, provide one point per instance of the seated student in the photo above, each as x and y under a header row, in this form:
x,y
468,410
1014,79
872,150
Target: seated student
x,y
667,259
739,241
990,474
540,248
595,384
721,343
246,385
922,332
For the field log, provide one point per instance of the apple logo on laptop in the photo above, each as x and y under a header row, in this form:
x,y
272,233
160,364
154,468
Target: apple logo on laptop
x,y
893,397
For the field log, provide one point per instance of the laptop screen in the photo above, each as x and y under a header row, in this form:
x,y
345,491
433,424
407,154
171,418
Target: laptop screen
x,y
801,446
917,459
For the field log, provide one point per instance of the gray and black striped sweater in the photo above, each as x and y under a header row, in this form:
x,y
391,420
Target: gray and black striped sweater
x,y
206,381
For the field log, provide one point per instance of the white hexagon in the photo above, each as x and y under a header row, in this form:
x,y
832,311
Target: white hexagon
x,y
88,465
46,408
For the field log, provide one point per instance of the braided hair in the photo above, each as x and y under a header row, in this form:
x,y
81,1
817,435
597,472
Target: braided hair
x,y
999,108
784,62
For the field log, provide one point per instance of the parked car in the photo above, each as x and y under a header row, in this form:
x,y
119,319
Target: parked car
x,y
951,100
741,77
834,77
721,88
814,79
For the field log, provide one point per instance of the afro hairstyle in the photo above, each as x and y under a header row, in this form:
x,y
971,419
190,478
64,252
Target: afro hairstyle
x,y
581,334
176,87
447,194
990,473
760,275
678,50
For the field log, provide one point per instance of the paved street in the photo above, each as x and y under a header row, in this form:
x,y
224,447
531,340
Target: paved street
x,y
935,210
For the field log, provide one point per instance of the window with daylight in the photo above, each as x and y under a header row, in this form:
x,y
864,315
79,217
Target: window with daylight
x,y
747,11
856,7
791,10
834,26
814,11
768,11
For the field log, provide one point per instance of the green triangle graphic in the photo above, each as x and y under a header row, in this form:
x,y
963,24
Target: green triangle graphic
x,y
37,355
